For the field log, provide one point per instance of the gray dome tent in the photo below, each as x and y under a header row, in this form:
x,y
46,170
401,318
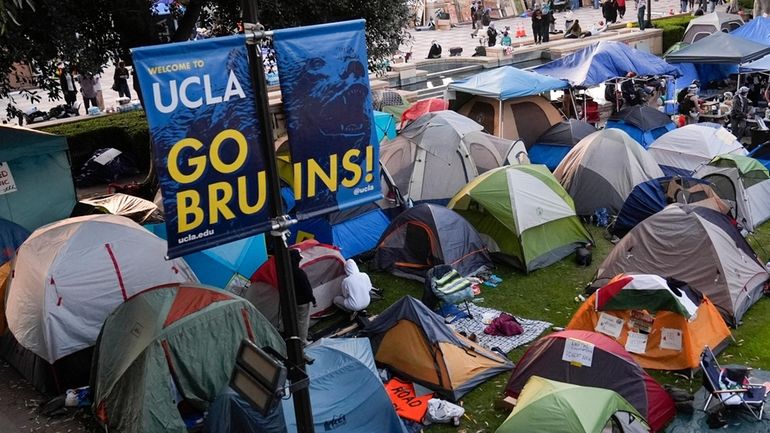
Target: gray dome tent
x,y
697,245
428,235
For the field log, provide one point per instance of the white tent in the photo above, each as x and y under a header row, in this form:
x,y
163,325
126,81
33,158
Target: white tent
x,y
68,276
682,150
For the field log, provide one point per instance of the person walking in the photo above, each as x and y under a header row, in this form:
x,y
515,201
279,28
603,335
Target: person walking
x,y
641,14
473,15
548,20
491,35
740,112
537,24
87,90
121,80
67,83
621,8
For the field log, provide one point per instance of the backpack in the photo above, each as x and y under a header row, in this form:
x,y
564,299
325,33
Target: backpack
x,y
609,92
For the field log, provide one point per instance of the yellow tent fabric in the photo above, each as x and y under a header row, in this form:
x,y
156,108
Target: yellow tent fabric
x,y
707,328
5,271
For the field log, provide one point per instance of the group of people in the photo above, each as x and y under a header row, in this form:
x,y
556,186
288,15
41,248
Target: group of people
x,y
738,107
542,22
90,85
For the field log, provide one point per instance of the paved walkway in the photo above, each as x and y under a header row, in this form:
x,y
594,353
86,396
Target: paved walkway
x,y
460,36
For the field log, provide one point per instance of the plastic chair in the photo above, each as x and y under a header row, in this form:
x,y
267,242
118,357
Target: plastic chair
x,y
730,391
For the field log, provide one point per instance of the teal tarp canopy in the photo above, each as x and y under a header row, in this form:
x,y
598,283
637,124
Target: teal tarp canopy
x,y
507,82
720,47
40,167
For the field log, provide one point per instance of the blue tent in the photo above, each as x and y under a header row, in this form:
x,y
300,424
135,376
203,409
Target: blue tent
x,y
11,236
757,30
227,266
649,198
644,124
354,231
554,144
385,124
346,395
604,61
39,166
507,82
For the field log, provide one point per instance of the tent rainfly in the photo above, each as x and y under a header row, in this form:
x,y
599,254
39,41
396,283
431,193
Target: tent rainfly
x,y
704,25
683,150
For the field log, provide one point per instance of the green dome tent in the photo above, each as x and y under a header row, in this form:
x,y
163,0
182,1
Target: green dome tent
x,y
175,339
526,218
547,406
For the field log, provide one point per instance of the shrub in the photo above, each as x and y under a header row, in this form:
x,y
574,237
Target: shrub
x,y
673,29
127,132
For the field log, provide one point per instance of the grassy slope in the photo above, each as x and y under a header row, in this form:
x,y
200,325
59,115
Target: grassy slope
x,y
549,294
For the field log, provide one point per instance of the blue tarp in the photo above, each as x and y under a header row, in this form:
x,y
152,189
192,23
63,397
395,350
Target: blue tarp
x,y
385,124
604,61
507,82
703,72
757,30
219,265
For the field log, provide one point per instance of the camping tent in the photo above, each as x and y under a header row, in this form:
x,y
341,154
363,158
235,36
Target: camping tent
x,y
704,25
644,124
652,196
697,245
341,367
547,406
437,154
421,107
354,230
506,102
684,149
12,236
335,372
137,209
385,125
428,235
605,60
69,275
416,344
551,147
591,171
41,190
674,323
227,266
325,268
720,47
744,183
176,342
610,367
524,215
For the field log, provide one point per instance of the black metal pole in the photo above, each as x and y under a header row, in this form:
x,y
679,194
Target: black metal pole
x,y
288,299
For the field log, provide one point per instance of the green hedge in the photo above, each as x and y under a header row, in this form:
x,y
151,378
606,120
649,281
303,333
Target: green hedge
x,y
127,132
673,29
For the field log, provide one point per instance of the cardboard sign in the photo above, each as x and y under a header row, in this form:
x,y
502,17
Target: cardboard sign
x,y
636,342
7,184
641,321
671,339
609,325
578,352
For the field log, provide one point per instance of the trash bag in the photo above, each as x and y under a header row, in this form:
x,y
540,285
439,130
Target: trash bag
x,y
105,166
441,411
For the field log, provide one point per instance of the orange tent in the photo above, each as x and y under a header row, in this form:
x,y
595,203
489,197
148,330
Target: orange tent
x,y
663,324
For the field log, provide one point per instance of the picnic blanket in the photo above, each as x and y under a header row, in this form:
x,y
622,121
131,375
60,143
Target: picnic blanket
x,y
532,329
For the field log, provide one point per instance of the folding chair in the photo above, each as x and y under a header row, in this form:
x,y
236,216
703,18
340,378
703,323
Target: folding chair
x,y
444,285
750,396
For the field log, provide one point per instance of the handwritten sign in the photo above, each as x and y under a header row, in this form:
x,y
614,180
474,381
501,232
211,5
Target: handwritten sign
x,y
7,184
671,339
578,352
609,325
636,342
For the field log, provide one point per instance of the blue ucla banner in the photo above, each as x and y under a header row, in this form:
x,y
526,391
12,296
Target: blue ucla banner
x,y
200,105
326,98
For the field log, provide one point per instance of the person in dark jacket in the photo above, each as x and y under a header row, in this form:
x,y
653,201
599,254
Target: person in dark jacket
x,y
537,24
303,290
491,35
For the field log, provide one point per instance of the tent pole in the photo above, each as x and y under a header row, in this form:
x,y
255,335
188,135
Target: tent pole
x,y
501,118
739,83
287,298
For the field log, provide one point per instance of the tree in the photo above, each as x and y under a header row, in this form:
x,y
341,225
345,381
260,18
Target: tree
x,y
90,33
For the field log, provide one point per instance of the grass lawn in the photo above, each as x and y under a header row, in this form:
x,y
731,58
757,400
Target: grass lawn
x,y
550,294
